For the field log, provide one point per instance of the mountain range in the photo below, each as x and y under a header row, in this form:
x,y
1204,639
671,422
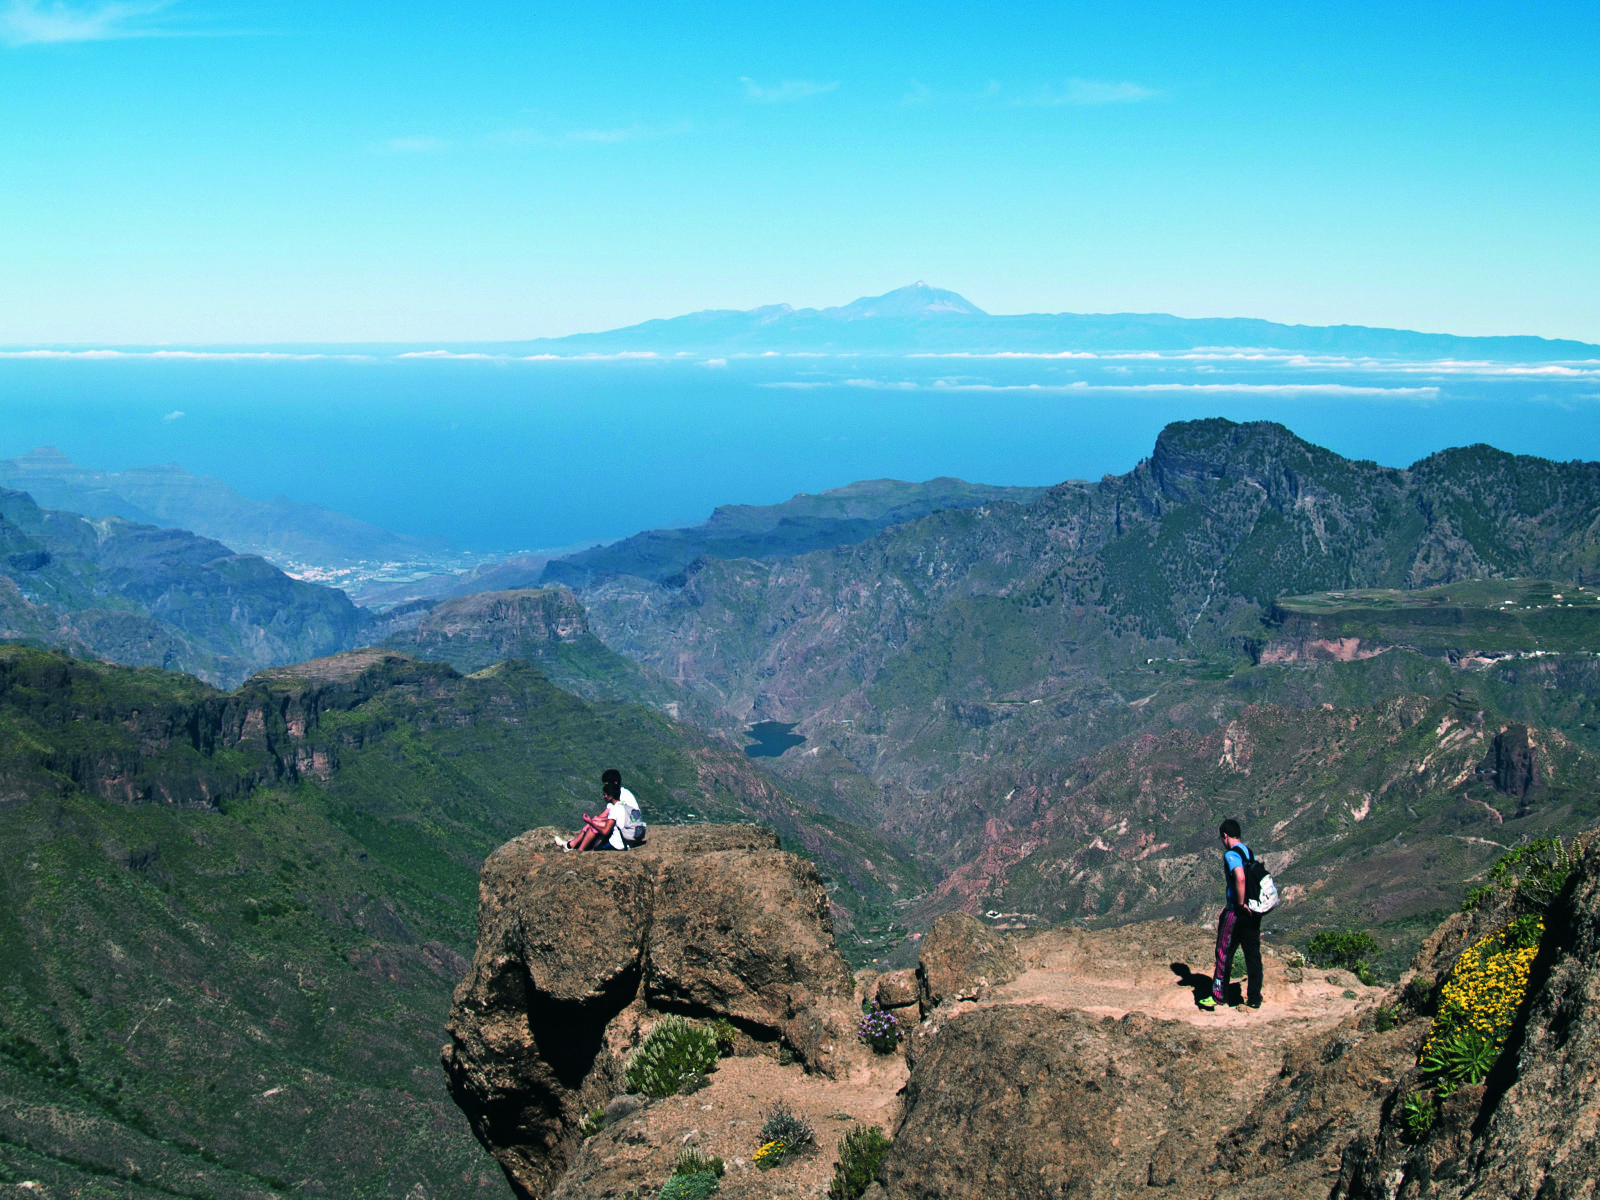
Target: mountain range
x,y
920,318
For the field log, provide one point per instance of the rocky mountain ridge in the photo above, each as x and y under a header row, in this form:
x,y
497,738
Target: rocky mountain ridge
x,y
157,597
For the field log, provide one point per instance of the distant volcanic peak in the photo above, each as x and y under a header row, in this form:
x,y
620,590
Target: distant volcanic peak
x,y
914,300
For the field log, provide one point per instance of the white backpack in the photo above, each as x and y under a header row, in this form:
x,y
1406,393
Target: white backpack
x,y
1258,880
631,826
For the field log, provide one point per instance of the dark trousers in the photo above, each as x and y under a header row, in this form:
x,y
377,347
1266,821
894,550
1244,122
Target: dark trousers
x,y
1238,929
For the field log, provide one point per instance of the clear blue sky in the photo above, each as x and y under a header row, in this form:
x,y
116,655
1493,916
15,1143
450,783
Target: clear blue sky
x,y
233,171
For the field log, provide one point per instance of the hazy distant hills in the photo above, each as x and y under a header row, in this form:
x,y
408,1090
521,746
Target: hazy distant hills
x,y
130,593
924,319
837,517
279,530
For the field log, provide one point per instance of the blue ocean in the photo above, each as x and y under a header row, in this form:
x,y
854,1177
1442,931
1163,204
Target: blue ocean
x,y
501,453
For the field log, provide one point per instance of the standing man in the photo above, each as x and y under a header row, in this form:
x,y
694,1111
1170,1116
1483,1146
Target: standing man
x,y
1237,928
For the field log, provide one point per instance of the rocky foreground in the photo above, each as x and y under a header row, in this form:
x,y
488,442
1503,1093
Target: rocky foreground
x,y
1054,1063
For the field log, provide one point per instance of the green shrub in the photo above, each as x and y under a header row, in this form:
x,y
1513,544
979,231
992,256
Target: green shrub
x,y
694,1161
1524,932
1385,1018
1419,1111
674,1053
724,1033
861,1153
787,1127
593,1123
1463,1057
1347,949
1538,871
689,1187
1476,898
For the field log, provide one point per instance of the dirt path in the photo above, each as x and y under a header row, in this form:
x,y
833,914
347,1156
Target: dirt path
x,y
1156,968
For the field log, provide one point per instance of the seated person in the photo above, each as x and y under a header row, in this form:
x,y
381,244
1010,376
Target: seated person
x,y
619,823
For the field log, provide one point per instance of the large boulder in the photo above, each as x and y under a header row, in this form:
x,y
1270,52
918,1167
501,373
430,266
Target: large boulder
x,y
960,959
577,953
745,933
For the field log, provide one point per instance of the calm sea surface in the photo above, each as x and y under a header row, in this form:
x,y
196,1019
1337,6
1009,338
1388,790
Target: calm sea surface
x,y
503,454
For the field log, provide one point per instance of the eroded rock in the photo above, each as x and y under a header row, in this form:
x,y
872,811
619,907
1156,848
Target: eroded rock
x,y
578,953
960,958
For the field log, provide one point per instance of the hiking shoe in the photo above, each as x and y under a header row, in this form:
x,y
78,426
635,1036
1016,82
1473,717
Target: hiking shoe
x,y
1207,1003
562,842
1252,1004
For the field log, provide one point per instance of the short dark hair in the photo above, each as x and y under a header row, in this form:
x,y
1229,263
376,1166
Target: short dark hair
x,y
611,789
611,775
1230,828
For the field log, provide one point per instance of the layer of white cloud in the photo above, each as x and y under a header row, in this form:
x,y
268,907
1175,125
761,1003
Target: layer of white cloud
x,y
510,358
179,355
1083,388
1089,92
30,22
785,92
176,414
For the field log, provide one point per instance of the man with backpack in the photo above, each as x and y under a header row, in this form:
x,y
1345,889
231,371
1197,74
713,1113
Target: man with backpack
x,y
1238,928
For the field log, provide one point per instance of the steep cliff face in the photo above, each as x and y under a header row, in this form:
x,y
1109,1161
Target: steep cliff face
x,y
489,627
579,953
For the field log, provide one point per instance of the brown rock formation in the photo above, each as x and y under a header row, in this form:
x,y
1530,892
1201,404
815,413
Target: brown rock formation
x,y
578,952
1531,1129
961,957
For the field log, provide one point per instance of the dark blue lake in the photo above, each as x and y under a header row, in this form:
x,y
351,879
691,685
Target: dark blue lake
x,y
772,738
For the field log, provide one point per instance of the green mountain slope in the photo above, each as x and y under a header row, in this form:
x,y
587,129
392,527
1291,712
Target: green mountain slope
x,y
232,921
934,664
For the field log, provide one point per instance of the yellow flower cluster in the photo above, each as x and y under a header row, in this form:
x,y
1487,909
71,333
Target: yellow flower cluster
x,y
771,1154
1483,992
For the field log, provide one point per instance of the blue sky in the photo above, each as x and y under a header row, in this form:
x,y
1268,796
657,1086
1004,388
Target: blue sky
x,y
203,171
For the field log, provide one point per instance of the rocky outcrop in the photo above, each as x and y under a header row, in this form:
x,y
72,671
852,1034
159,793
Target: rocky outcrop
x,y
578,953
961,958
1530,1130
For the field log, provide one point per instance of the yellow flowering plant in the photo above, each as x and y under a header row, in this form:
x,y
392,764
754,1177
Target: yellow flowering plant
x,y
771,1154
1477,1006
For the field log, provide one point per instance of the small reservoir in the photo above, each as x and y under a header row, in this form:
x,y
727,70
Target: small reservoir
x,y
771,738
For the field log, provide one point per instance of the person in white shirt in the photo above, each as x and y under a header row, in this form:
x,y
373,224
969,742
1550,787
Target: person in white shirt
x,y
617,823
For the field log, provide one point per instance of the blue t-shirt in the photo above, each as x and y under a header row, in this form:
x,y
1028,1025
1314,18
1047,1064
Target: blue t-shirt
x,y
1236,857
